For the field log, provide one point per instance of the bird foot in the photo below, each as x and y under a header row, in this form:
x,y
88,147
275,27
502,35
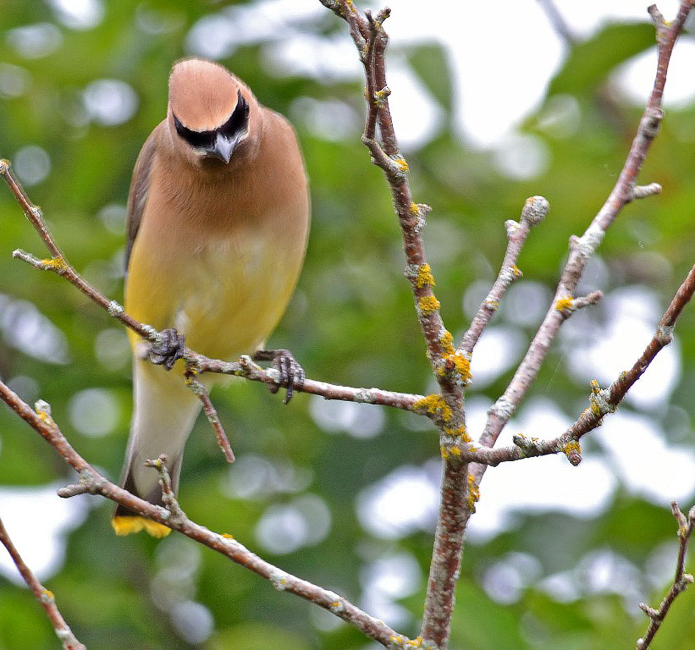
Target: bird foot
x,y
169,350
292,375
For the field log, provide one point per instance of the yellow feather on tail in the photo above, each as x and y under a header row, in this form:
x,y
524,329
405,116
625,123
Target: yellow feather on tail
x,y
128,525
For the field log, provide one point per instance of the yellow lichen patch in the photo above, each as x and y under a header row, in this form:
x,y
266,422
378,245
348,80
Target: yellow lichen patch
x,y
447,342
456,362
54,264
424,276
46,418
565,304
415,209
463,367
227,536
455,451
473,493
380,97
458,432
516,271
401,163
572,447
593,398
434,406
428,305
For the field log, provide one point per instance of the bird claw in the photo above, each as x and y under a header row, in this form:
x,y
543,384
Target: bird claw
x,y
169,350
292,375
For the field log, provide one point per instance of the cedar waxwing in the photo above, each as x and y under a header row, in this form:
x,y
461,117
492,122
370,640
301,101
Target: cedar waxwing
x,y
218,217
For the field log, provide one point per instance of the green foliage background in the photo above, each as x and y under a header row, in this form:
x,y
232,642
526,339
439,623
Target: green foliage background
x,y
351,322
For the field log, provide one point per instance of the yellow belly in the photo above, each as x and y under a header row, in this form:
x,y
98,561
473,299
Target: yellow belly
x,y
225,295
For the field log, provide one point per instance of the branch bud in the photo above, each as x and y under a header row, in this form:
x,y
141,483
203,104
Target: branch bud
x,y
535,210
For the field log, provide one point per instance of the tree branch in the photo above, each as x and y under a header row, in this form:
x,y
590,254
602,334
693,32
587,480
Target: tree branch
x,y
58,262
680,581
210,413
43,595
93,482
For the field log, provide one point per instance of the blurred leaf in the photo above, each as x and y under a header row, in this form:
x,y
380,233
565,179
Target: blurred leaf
x,y
24,623
591,61
482,624
255,637
431,64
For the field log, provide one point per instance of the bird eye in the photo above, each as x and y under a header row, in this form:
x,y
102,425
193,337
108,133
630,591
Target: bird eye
x,y
239,119
197,139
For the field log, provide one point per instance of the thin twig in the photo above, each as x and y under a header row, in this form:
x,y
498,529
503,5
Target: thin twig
x,y
58,262
247,369
680,581
210,413
93,482
168,497
535,210
558,21
43,595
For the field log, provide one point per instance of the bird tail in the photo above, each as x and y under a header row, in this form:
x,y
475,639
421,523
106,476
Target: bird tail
x,y
163,415
126,521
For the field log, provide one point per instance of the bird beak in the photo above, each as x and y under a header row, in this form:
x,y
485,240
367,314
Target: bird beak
x,y
223,148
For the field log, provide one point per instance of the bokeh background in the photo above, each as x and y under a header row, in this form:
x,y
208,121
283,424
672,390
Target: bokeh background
x,y
491,108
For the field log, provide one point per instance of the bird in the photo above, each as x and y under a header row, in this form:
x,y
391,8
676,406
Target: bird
x,y
218,218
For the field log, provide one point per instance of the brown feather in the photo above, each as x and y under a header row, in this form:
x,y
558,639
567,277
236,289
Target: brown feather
x,y
203,94
138,193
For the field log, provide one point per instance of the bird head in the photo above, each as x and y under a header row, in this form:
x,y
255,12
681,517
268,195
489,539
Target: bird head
x,y
212,114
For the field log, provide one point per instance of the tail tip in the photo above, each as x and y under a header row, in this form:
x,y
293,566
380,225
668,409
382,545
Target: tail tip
x,y
126,525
